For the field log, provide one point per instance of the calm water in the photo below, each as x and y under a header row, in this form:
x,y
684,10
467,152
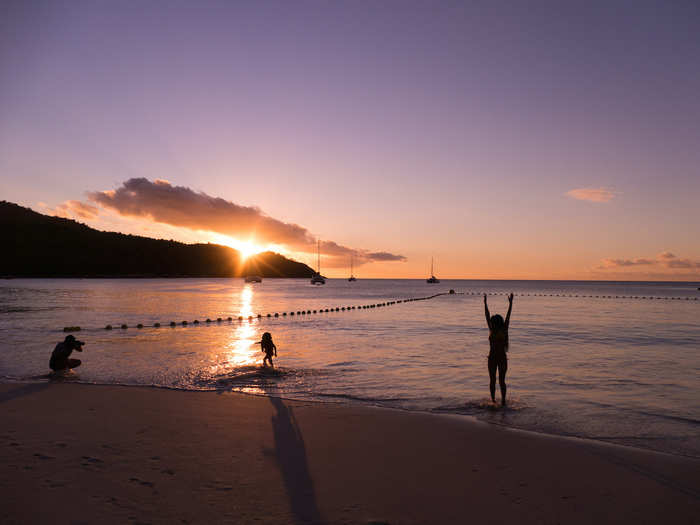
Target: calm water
x,y
618,369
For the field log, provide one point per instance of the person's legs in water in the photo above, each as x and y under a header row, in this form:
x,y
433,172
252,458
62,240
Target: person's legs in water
x,y
492,378
502,369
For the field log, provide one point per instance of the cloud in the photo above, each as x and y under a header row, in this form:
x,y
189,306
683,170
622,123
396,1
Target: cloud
x,y
73,210
665,259
181,206
592,194
675,262
617,263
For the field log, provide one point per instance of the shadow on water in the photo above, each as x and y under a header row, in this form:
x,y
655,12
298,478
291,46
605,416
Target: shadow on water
x,y
291,458
23,390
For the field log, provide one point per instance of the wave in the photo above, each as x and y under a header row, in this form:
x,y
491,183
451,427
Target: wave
x,y
367,399
482,406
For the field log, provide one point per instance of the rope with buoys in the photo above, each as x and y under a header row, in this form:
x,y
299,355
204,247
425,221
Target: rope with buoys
x,y
250,318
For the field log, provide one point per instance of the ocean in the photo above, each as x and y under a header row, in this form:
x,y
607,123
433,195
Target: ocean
x,y
611,361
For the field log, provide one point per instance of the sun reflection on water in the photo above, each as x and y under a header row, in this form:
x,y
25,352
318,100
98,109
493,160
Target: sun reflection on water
x,y
241,348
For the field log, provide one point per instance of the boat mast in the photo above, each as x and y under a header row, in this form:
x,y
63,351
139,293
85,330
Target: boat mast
x,y
431,267
318,251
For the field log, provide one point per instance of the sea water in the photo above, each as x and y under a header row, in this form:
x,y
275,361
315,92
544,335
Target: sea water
x,y
612,361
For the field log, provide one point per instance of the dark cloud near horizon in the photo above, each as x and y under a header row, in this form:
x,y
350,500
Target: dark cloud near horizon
x,y
181,206
666,259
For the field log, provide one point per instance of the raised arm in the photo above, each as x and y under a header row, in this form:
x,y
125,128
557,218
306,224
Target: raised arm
x,y
510,307
486,311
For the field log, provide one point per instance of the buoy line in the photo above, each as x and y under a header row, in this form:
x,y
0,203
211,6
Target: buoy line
x,y
292,313
249,318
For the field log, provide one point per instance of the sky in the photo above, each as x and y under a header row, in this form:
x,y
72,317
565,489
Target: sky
x,y
506,140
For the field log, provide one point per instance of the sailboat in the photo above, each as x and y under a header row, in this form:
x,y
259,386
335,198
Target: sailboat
x,y
352,278
433,279
318,278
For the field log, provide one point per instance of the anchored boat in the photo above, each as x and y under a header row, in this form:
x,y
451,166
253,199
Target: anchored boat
x,y
352,278
318,278
432,279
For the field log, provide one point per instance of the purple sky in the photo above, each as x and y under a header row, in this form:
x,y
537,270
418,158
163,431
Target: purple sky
x,y
451,129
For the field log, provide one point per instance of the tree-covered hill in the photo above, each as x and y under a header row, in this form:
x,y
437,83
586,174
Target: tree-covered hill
x,y
36,245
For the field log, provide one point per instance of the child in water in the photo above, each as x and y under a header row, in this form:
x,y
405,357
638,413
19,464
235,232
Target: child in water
x,y
498,341
268,347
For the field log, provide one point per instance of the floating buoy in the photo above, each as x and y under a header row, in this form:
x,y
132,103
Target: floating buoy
x,y
71,329
229,318
303,312
156,325
172,323
208,320
195,321
139,325
184,323
124,327
314,311
259,316
291,313
240,317
250,318
276,314
108,327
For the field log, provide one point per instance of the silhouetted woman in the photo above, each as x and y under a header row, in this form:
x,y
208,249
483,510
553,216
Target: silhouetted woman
x,y
498,340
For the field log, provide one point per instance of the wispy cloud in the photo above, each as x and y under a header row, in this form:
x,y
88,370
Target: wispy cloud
x,y
617,263
73,209
664,259
592,194
180,206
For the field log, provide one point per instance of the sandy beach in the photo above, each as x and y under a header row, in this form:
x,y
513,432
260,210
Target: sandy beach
x,y
75,453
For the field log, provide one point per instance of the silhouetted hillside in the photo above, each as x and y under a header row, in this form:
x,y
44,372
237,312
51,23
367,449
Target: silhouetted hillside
x,y
36,245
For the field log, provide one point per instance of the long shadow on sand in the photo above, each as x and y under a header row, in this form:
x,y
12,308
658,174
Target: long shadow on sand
x,y
23,390
291,458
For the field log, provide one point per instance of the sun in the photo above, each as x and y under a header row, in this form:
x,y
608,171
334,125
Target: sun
x,y
245,248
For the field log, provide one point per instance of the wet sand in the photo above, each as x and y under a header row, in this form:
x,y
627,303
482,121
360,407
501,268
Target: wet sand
x,y
76,453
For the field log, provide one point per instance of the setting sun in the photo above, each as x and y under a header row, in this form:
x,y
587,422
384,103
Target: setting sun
x,y
245,248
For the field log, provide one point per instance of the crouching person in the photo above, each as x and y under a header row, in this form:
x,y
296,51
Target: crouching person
x,y
60,357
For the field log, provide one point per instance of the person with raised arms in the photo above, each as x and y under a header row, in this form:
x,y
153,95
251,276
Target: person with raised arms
x,y
498,341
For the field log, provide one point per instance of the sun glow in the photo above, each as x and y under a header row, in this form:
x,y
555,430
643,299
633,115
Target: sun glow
x,y
245,248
